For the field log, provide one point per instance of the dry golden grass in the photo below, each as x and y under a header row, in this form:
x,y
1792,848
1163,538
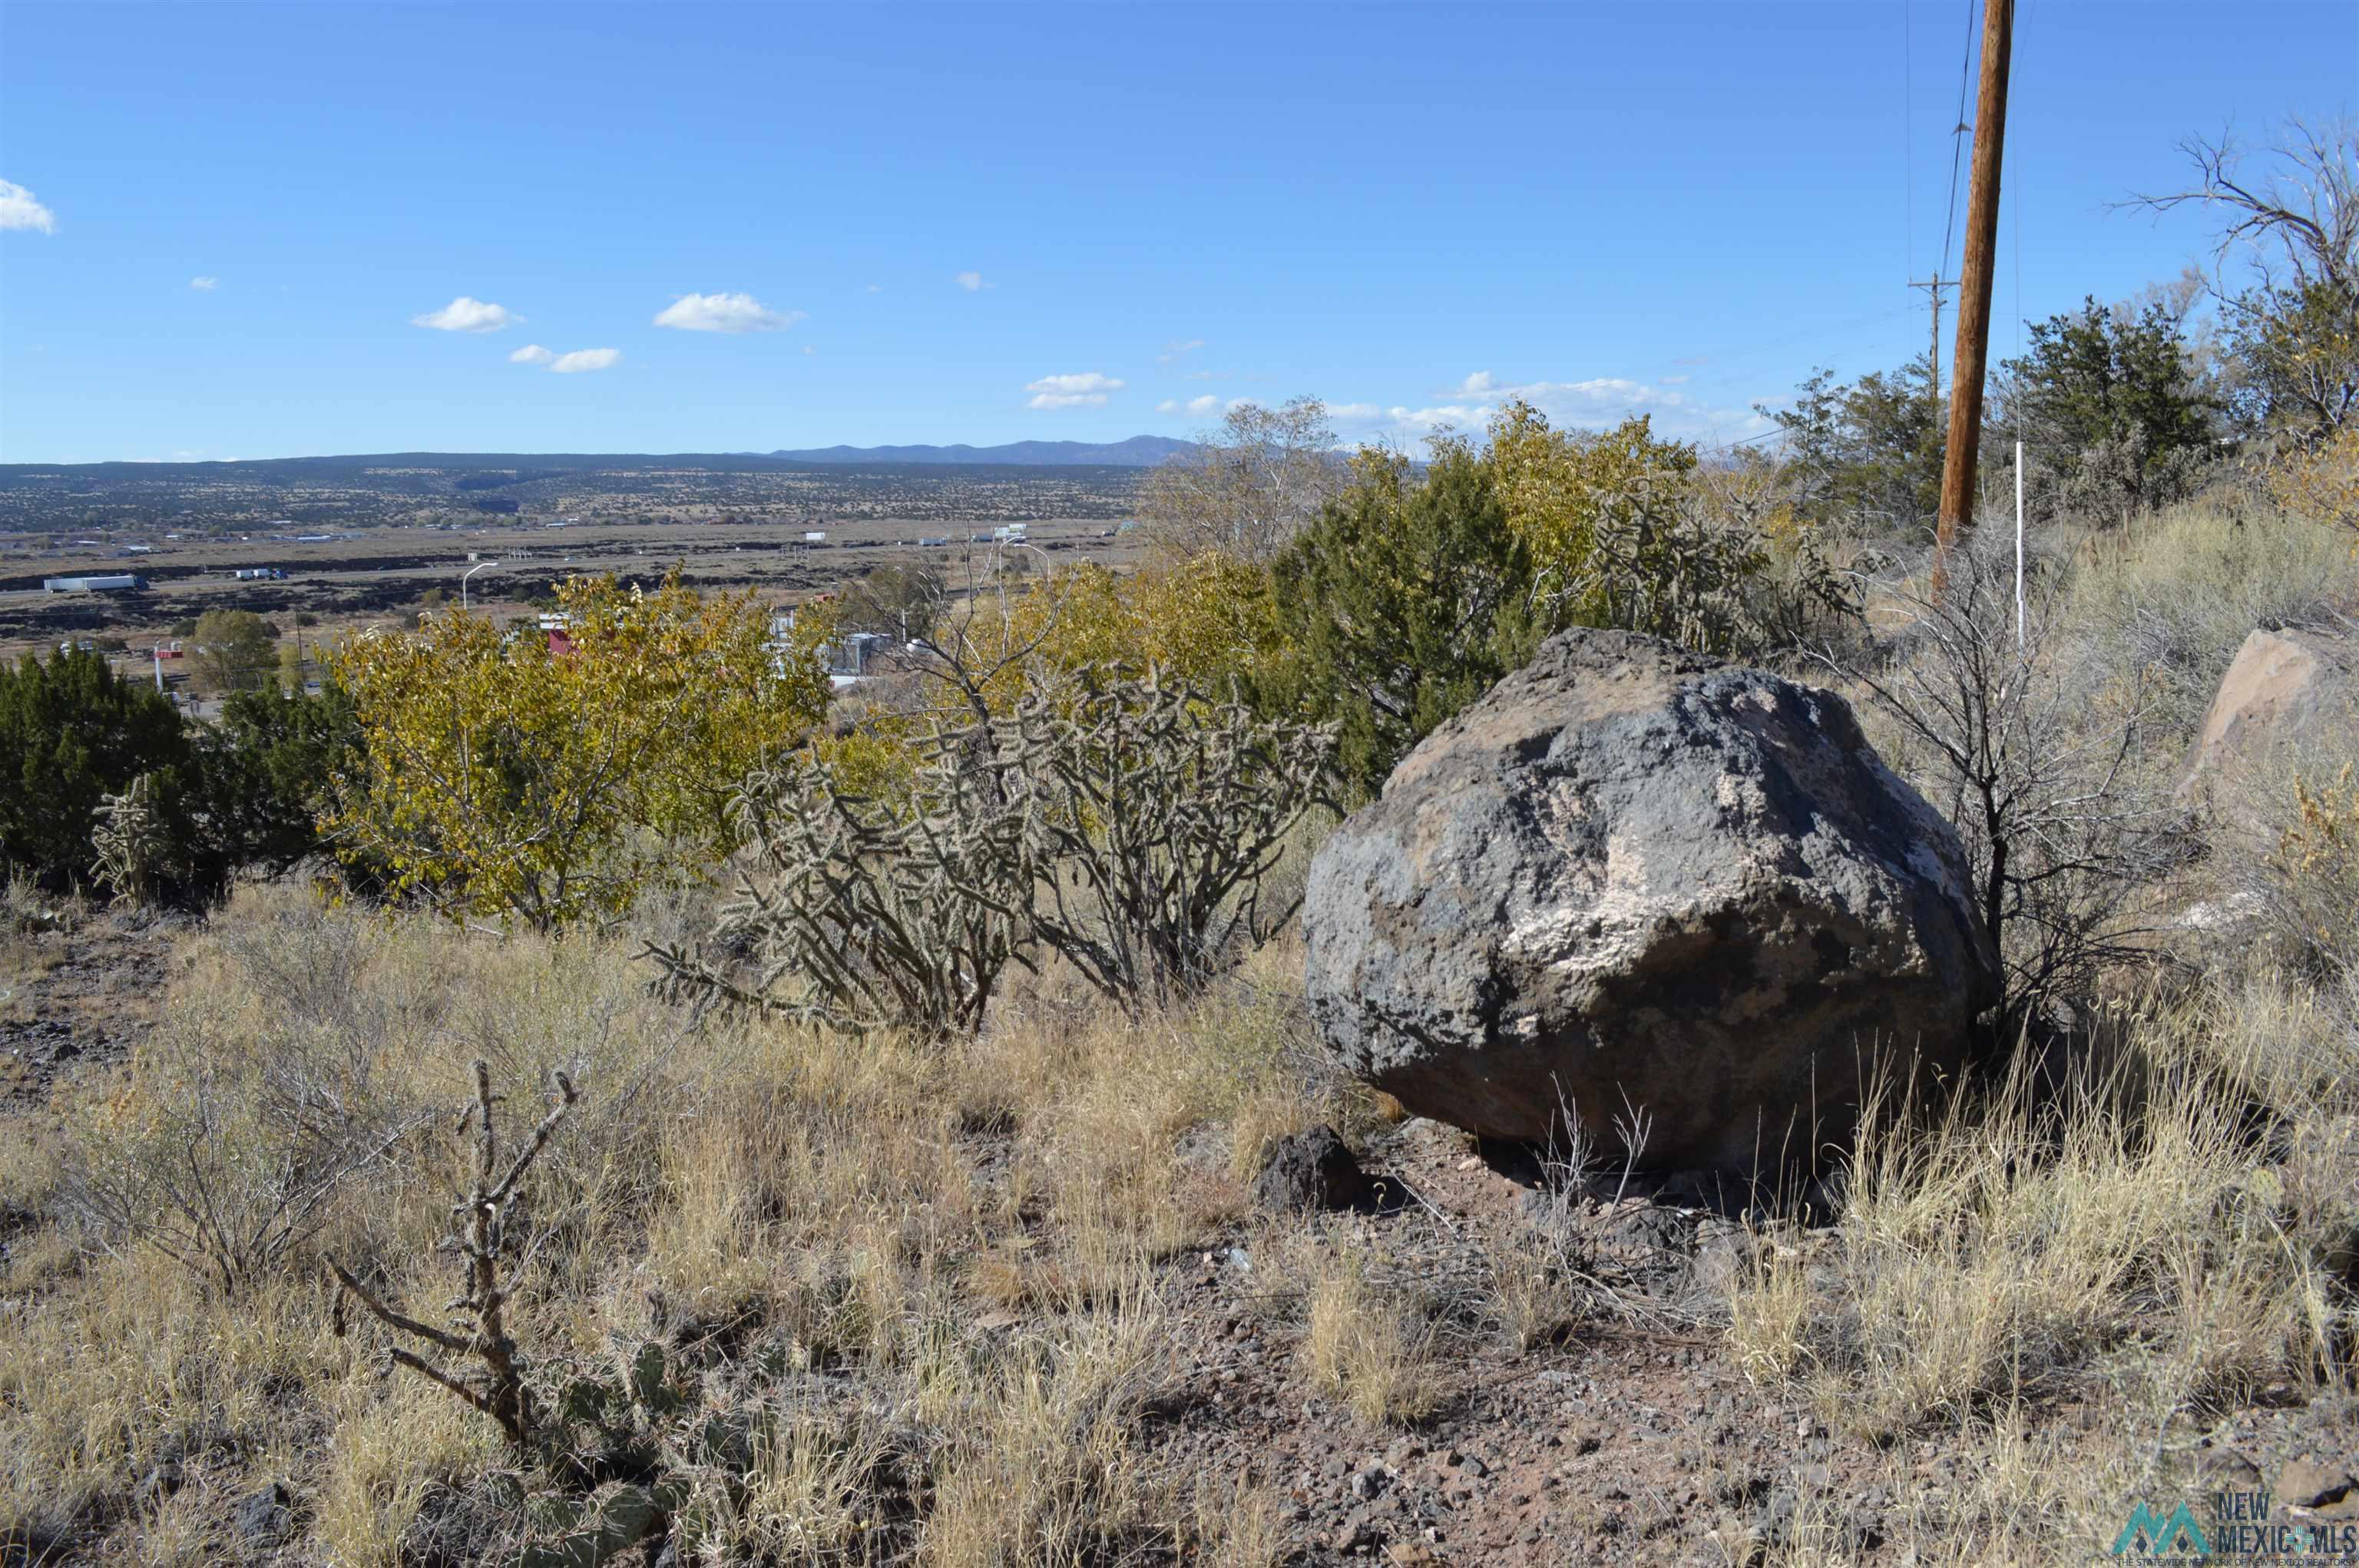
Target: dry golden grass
x,y
806,1498
1368,1347
2005,1246
2119,1238
1043,1468
847,1205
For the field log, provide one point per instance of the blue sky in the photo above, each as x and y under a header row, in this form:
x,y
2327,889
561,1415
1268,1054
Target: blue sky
x,y
988,222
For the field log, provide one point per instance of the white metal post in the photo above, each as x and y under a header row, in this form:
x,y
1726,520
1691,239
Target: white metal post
x,y
2019,547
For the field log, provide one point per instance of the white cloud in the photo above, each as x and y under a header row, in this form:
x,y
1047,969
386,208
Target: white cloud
x,y
1596,403
1599,394
205,284
1199,406
972,281
1603,389
1179,348
20,209
583,359
1459,416
531,354
1354,412
466,314
807,349
876,289
724,313
1087,390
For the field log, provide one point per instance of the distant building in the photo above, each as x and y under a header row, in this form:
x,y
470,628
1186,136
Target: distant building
x,y
850,656
845,660
116,582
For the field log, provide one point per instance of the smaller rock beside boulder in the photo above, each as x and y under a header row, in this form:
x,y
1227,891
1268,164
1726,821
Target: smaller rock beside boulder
x,y
1314,1170
2289,690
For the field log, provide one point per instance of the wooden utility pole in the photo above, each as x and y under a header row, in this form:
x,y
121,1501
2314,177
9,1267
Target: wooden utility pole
x,y
1933,287
1957,513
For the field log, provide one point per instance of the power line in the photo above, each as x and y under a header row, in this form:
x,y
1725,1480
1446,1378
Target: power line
x,y
1746,354
1957,139
1740,440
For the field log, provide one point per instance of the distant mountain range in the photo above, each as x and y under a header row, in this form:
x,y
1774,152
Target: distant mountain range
x,y
1138,452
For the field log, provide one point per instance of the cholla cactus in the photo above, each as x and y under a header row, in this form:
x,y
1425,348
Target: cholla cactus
x,y
130,842
1154,813
867,914
1126,824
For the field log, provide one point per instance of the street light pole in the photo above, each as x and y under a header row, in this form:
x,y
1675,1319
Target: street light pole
x,y
470,572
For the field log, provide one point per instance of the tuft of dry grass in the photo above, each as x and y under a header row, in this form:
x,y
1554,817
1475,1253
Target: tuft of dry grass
x,y
806,1497
1041,1466
1369,1349
1994,1250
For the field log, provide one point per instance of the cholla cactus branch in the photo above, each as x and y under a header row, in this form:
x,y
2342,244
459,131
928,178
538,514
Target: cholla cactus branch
x,y
130,841
1156,813
479,1237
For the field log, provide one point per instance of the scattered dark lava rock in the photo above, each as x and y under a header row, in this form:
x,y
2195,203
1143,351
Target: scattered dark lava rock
x,y
1311,1169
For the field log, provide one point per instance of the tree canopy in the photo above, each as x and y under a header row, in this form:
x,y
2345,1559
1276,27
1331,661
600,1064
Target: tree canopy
x,y
235,651
2115,389
72,731
507,772
1248,488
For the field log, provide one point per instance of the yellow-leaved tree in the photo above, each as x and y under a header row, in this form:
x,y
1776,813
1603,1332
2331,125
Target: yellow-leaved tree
x,y
2320,482
1201,622
545,774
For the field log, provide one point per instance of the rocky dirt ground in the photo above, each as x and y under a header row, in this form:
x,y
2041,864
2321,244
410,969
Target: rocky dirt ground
x,y
76,991
1639,1441
1632,1443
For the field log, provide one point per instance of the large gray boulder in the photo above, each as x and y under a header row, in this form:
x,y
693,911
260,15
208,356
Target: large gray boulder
x,y
1634,879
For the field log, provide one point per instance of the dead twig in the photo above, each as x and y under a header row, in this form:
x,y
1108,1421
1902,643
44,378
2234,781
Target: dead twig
x,y
478,1235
